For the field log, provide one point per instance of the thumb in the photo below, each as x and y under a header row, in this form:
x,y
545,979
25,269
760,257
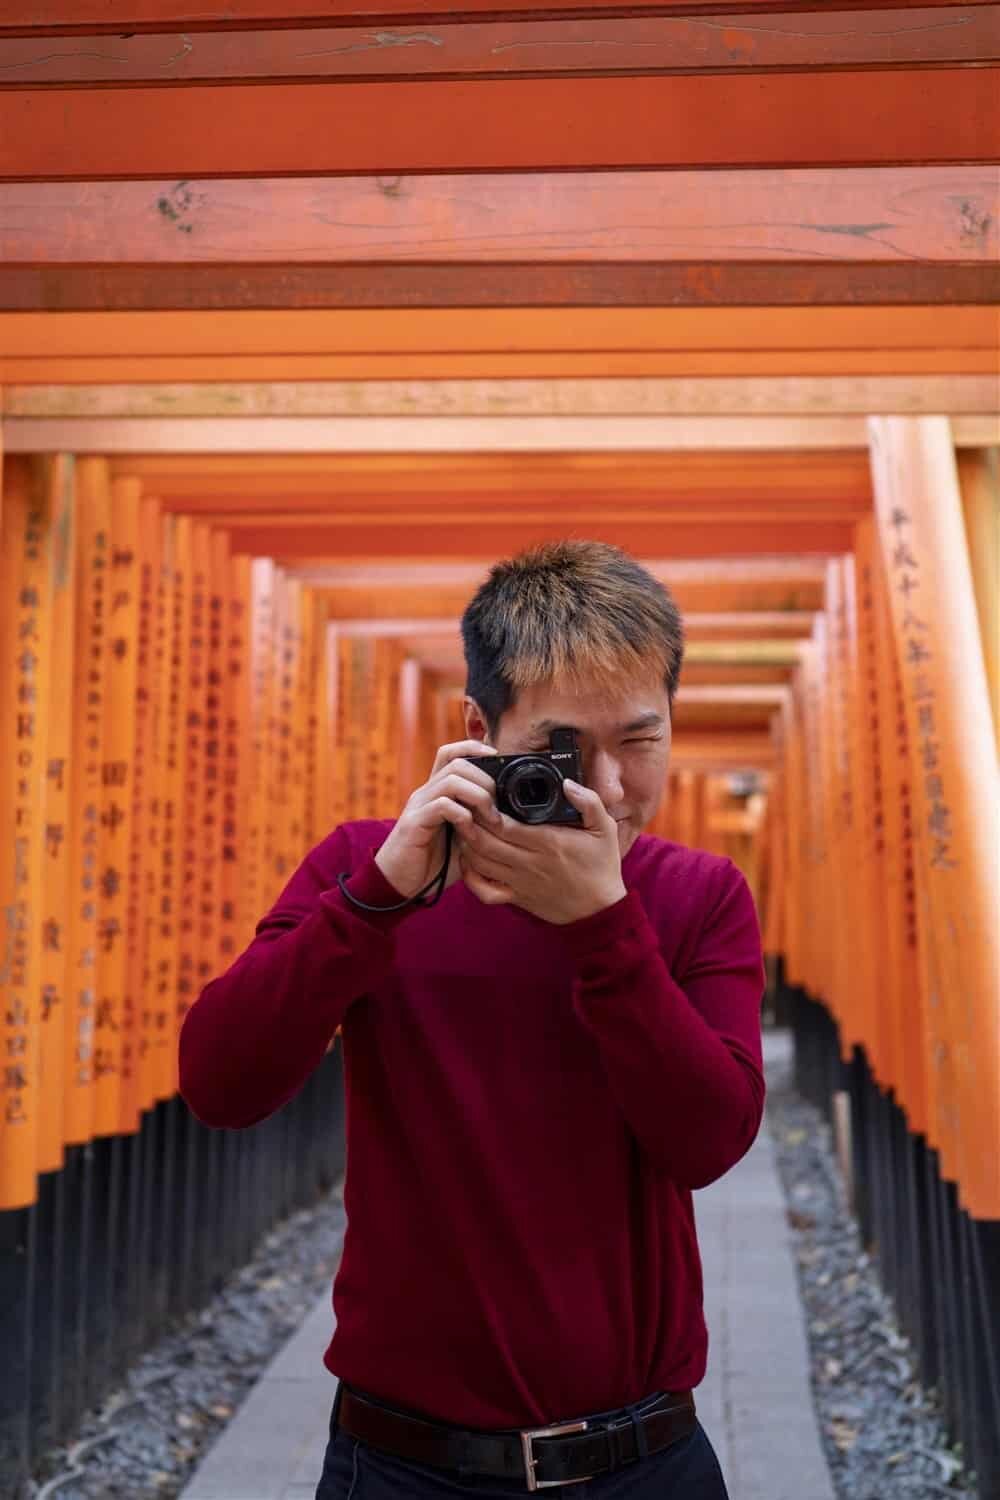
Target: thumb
x,y
588,804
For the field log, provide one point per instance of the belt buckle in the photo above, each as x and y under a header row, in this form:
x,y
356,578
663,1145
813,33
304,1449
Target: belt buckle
x,y
528,1437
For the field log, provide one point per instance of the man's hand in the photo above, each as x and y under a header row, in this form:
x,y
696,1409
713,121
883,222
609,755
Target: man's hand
x,y
455,791
560,874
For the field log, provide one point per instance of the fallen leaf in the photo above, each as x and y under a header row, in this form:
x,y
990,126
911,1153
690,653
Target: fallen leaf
x,y
844,1435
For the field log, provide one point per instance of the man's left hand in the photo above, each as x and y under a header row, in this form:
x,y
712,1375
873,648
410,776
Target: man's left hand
x,y
558,873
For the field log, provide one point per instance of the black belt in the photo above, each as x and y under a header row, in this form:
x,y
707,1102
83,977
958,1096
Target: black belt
x,y
540,1457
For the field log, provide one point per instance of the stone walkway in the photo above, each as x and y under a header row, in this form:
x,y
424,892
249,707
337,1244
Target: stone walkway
x,y
755,1402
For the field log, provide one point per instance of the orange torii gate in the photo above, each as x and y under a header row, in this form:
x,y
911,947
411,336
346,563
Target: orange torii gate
x,y
304,318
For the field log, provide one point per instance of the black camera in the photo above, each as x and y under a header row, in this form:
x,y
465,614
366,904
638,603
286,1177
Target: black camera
x,y
529,787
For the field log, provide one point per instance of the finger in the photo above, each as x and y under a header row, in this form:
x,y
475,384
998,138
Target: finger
x,y
464,767
482,865
492,845
449,753
457,789
488,892
588,804
443,810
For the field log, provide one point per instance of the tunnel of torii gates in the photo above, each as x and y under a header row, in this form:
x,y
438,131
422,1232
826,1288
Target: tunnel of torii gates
x,y
308,312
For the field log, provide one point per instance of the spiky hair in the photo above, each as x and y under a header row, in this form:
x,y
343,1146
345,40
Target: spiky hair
x,y
583,614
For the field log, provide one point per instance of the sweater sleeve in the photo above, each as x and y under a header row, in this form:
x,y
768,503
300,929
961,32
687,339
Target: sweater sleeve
x,y
254,1035
683,1058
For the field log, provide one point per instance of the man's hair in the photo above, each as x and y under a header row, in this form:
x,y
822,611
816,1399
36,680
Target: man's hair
x,y
577,613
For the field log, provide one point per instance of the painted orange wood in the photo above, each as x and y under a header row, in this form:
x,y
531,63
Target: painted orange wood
x,y
158,798
979,477
174,688
238,920
48,17
470,540
58,478
883,966
793,119
505,48
247,484
209,905
953,769
401,331
838,811
115,1044
146,820
25,645
869,214
192,831
933,359
263,652
137,1073
92,563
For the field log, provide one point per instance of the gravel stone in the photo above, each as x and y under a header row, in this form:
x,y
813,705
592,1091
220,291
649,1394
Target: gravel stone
x,y
882,1432
148,1436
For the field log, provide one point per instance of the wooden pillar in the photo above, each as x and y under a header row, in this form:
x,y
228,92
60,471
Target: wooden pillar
x,y
953,767
979,477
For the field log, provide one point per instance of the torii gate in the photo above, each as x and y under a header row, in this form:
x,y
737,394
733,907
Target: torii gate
x,y
377,292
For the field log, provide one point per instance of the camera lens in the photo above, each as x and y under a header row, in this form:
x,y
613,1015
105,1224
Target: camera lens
x,y
532,788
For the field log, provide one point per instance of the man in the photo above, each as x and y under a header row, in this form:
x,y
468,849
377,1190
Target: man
x,y
540,1067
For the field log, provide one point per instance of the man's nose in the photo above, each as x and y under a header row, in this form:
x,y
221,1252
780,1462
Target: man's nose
x,y
605,778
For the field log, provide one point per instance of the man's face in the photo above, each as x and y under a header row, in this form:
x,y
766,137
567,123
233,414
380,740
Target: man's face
x,y
624,743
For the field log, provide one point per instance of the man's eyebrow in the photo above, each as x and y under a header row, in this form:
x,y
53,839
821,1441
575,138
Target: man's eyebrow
x,y
652,720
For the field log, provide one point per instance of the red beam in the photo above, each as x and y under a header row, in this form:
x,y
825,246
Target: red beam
x,y
477,540
866,118
839,38
45,17
148,288
909,215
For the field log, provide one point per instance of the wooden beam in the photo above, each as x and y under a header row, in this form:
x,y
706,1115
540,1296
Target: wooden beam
x,y
715,640
68,17
864,215
320,435
450,434
839,38
415,589
141,288
503,330
838,118
83,369
806,396
732,749
266,481
472,539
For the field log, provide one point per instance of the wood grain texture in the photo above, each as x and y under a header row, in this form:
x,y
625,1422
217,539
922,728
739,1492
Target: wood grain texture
x,y
846,118
718,397
702,43
53,17
864,215
450,434
217,288
48,17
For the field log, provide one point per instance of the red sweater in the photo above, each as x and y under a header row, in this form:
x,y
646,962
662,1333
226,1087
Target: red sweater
x,y
528,1108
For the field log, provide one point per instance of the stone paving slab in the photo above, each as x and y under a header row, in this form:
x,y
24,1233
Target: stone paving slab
x,y
755,1402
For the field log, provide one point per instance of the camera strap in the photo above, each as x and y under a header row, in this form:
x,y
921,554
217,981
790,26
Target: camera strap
x,y
436,885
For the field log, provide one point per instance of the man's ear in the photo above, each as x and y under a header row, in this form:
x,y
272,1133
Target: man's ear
x,y
475,720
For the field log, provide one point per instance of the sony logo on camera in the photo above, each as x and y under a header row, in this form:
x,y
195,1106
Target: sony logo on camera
x,y
529,787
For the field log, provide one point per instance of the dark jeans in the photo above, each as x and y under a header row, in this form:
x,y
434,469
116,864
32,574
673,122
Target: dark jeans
x,y
352,1470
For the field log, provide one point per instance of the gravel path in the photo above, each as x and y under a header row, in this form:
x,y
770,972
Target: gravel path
x,y
148,1436
882,1432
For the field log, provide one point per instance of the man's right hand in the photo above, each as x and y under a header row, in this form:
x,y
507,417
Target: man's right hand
x,y
455,792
